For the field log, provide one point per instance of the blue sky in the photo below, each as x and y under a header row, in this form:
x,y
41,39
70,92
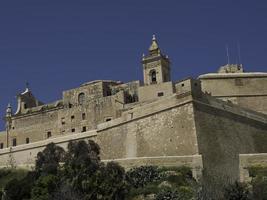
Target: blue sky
x,y
57,45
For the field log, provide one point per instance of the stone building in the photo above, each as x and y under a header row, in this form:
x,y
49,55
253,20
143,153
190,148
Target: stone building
x,y
216,124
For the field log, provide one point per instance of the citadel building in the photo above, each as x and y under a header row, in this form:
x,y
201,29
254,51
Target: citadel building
x,y
217,122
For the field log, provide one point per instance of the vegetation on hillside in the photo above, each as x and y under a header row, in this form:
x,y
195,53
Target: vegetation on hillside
x,y
79,174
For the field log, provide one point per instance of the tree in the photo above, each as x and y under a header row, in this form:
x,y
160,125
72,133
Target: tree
x,y
48,161
44,187
19,189
86,175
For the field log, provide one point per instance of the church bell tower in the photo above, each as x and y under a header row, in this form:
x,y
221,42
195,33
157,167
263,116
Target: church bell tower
x,y
156,66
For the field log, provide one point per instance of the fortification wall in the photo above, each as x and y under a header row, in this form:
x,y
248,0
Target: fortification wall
x,y
248,90
162,128
224,133
25,155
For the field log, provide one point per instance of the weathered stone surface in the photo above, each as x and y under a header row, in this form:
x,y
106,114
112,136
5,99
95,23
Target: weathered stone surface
x,y
204,123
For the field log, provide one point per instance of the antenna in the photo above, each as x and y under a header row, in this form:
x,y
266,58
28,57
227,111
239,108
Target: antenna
x,y
227,54
239,53
27,84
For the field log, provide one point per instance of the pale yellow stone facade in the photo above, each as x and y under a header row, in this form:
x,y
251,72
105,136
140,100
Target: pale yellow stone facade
x,y
203,123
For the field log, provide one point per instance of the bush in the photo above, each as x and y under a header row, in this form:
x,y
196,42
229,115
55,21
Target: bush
x,y
7,175
259,187
257,170
167,194
19,188
44,187
237,191
141,176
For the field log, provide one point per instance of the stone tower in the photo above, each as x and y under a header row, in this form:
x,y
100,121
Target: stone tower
x,y
156,66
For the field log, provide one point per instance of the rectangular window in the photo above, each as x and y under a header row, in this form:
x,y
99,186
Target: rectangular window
x,y
160,94
73,130
14,142
63,120
72,117
84,129
49,134
83,116
1,145
27,140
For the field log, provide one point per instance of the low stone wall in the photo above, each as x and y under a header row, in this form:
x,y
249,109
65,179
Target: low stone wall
x,y
25,155
193,161
248,160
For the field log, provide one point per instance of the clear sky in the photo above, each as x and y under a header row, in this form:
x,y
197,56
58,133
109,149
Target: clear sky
x,y
57,45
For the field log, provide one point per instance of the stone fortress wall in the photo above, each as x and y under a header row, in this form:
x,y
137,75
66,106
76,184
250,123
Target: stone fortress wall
x,y
205,123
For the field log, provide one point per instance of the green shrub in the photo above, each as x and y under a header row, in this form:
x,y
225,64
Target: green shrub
x,y
257,170
7,175
168,194
259,187
44,187
237,191
141,176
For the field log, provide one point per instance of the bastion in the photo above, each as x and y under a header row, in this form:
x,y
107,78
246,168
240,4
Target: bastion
x,y
216,124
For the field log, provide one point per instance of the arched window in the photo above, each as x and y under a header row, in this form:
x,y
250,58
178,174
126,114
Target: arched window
x,y
153,76
81,98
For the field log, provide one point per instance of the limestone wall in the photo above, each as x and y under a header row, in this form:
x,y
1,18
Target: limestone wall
x,y
223,134
25,155
162,128
155,91
248,90
3,138
63,120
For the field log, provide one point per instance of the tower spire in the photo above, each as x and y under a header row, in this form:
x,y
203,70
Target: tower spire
x,y
154,47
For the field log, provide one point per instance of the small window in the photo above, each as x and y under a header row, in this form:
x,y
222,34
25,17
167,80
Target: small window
x,y
160,94
83,116
70,105
81,98
14,142
63,120
84,129
13,127
27,140
73,130
182,85
72,117
49,134
1,145
25,106
108,119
